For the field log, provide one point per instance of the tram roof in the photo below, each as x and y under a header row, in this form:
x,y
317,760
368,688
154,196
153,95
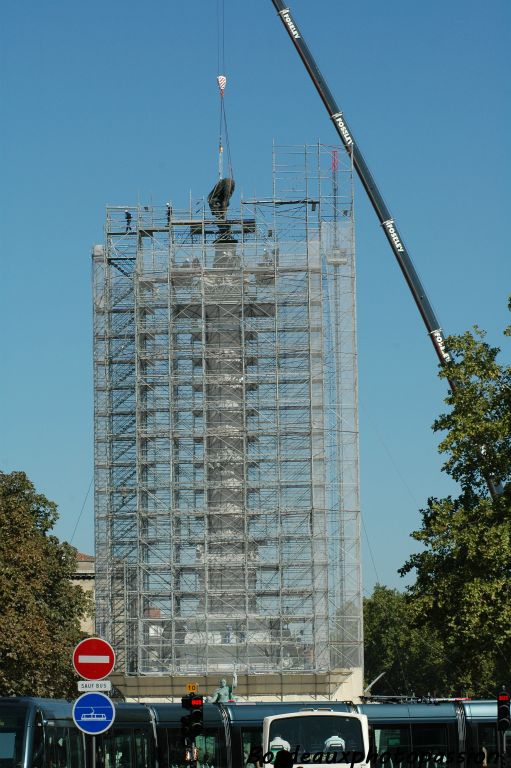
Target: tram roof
x,y
132,713
171,714
481,710
56,709
427,712
413,712
60,709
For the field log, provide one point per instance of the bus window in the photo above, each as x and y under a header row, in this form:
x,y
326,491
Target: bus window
x,y
57,748
252,746
393,742
172,750
143,750
315,734
486,746
113,749
38,744
121,749
12,725
63,749
207,750
76,750
430,740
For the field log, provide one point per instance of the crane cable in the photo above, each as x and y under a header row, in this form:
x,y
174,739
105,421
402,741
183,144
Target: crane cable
x,y
223,139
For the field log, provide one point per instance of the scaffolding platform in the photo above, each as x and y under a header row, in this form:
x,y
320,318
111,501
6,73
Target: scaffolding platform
x,y
226,433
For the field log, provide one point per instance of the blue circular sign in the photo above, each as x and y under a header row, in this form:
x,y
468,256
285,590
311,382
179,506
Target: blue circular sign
x,y
93,713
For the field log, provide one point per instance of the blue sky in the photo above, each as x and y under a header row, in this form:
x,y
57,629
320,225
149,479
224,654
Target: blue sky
x,y
116,102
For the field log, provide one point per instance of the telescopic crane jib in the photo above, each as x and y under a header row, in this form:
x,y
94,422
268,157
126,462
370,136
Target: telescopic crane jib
x,y
384,216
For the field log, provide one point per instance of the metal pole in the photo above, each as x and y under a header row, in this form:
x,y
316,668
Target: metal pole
x,y
502,748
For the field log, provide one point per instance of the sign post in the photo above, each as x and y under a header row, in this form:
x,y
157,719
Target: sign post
x,y
93,712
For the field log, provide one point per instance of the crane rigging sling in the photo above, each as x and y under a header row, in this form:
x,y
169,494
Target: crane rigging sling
x,y
218,198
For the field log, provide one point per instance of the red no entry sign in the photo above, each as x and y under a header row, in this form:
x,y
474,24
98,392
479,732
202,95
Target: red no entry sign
x,y
93,658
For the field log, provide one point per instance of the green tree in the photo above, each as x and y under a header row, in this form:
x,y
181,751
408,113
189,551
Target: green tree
x,y
40,609
412,659
462,588
477,427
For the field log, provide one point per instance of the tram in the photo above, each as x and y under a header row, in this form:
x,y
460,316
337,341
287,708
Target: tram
x,y
455,734
40,733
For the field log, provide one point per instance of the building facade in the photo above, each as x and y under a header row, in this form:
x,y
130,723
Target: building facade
x,y
226,438
84,577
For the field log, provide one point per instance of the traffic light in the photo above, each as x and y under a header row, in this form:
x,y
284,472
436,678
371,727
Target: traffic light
x,y
196,716
503,715
193,724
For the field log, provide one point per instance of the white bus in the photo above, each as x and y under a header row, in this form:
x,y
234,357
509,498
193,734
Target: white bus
x,y
317,737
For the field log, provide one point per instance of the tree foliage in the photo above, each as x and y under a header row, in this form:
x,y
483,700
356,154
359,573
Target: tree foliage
x,y
40,609
462,590
477,428
463,572
413,660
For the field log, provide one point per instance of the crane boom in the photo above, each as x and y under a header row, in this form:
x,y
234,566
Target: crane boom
x,y
384,216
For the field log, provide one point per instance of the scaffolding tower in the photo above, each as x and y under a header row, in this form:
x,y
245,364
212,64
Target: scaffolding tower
x,y
226,434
